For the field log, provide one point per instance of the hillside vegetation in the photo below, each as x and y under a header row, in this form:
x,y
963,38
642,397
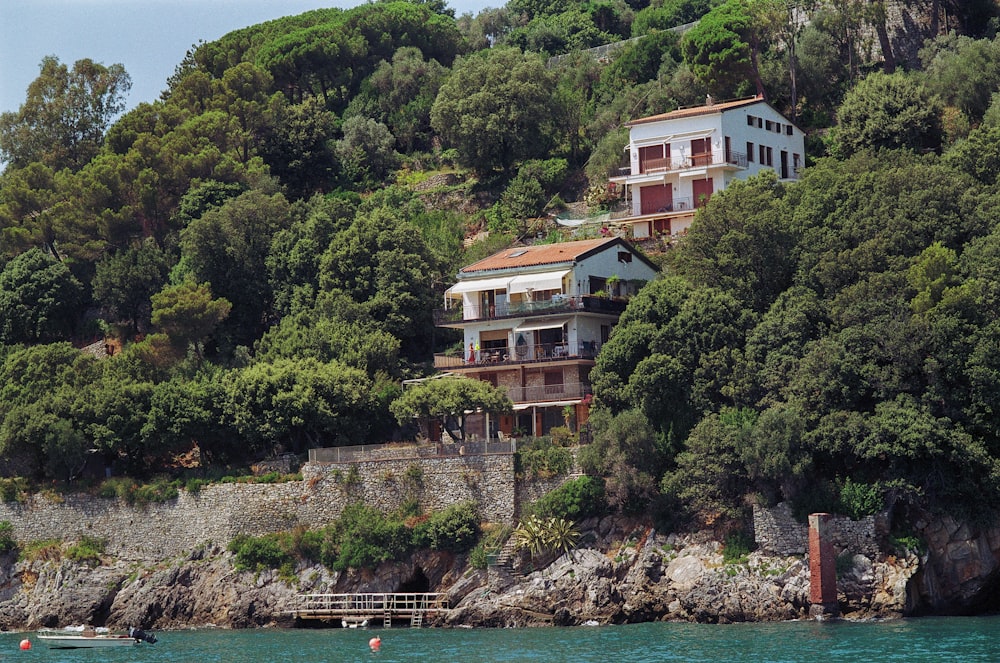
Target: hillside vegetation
x,y
263,246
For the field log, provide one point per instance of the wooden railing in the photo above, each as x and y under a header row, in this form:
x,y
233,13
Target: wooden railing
x,y
322,606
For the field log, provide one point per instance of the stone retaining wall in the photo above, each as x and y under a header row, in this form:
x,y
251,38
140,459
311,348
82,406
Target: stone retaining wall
x,y
219,512
777,532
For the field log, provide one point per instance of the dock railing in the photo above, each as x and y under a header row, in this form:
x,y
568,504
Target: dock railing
x,y
325,606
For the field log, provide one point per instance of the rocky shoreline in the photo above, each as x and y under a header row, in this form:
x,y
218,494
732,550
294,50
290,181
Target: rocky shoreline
x,y
624,572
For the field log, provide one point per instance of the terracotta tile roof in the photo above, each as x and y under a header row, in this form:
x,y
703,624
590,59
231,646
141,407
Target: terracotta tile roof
x,y
539,254
696,110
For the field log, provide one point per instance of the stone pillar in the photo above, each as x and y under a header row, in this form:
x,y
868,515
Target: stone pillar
x,y
822,567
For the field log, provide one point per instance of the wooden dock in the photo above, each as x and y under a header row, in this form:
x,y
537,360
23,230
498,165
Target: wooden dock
x,y
373,609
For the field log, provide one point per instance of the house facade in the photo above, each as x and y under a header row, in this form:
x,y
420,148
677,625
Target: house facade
x,y
533,319
677,160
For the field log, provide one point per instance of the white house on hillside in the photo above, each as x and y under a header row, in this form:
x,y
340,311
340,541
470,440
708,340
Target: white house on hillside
x,y
677,160
533,320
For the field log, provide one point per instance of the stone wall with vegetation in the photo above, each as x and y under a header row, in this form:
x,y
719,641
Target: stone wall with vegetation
x,y
218,512
776,531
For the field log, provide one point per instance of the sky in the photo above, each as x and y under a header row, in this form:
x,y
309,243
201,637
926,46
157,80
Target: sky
x,y
148,37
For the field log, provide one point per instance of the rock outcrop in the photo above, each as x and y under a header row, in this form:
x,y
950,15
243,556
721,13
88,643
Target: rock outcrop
x,y
624,571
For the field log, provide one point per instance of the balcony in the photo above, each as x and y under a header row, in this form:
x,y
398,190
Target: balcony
x,y
679,206
548,392
519,354
678,164
501,310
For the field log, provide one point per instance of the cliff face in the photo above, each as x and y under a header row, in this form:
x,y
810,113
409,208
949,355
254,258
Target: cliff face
x,y
624,572
961,572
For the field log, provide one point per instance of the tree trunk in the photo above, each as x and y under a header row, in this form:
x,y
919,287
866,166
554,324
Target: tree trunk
x,y
879,19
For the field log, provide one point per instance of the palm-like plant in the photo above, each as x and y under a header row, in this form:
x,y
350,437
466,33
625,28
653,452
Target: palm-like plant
x,y
551,534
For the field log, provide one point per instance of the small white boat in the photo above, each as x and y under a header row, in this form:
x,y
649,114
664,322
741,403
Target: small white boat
x,y
354,623
82,637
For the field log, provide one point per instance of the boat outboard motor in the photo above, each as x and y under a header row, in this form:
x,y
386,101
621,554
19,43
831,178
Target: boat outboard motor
x,y
140,635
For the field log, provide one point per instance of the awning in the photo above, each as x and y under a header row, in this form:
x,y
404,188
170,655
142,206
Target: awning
x,y
478,285
542,324
546,281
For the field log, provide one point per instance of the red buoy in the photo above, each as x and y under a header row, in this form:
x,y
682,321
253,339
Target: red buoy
x,y
25,644
375,643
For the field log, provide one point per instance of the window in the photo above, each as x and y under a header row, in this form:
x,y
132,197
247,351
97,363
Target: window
x,y
769,125
749,151
750,120
760,122
762,155
553,382
624,256
651,158
795,164
770,157
788,130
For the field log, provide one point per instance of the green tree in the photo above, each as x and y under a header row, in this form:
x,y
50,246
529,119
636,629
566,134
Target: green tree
x,y
400,94
228,248
625,449
125,281
187,412
366,152
742,242
188,314
299,403
448,399
40,299
962,72
381,262
724,49
63,120
887,111
495,109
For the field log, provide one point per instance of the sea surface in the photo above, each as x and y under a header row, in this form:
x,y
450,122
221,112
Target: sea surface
x,y
912,640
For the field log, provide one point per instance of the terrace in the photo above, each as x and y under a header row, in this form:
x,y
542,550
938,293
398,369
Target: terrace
x,y
502,309
519,354
678,164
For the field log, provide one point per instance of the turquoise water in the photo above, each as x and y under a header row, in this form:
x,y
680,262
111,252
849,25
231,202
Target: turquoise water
x,y
912,641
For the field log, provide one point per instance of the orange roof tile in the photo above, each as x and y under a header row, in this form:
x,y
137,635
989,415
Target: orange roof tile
x,y
696,110
539,254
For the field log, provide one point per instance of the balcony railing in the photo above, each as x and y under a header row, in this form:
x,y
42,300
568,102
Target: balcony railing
x,y
671,164
548,392
677,205
558,304
519,354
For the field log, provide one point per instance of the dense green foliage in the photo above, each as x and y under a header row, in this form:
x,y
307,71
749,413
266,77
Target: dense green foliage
x,y
361,538
574,500
260,245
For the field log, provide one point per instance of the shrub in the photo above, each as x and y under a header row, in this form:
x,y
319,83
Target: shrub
x,y
259,553
575,500
7,542
127,490
362,538
87,550
738,545
539,535
44,550
858,499
13,489
455,529
541,458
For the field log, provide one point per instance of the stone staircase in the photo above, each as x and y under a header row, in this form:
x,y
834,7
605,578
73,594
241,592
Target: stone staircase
x,y
505,558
